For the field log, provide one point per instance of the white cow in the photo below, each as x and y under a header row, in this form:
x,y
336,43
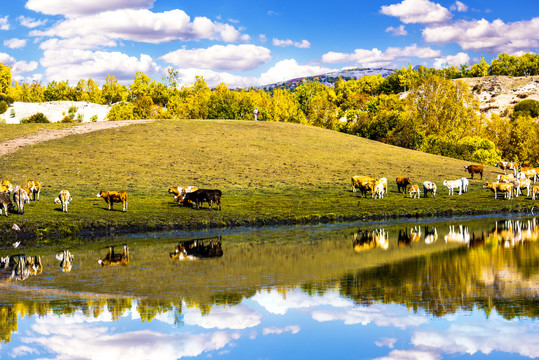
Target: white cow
x,y
429,186
378,191
465,184
453,184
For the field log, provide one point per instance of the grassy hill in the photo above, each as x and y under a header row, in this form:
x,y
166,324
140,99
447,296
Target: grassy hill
x,y
270,173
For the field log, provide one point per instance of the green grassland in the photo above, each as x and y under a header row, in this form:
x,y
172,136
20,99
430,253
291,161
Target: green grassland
x,y
269,173
10,131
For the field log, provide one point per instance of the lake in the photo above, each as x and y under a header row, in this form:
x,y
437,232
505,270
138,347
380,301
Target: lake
x,y
456,288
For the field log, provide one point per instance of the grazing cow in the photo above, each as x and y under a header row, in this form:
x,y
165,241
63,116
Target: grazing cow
x,y
535,191
465,184
362,182
505,178
6,184
525,184
378,191
66,260
5,202
504,165
201,195
196,249
20,197
402,183
414,191
111,197
429,186
453,184
112,259
179,194
500,187
64,197
383,181
35,188
527,173
474,169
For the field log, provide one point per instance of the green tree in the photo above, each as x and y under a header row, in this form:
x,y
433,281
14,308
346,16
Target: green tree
x,y
112,91
121,111
528,107
479,70
5,78
523,140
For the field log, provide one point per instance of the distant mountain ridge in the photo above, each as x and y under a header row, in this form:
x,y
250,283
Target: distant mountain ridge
x,y
331,77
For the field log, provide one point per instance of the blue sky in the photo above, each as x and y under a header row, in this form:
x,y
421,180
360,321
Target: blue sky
x,y
250,43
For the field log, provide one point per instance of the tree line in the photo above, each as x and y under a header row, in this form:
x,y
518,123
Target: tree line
x,y
439,114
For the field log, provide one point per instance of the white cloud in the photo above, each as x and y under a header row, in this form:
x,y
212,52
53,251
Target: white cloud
x,y
294,329
482,35
303,44
412,354
389,342
237,317
17,67
231,57
84,7
495,335
290,69
78,43
143,26
30,22
15,43
213,78
451,60
375,57
400,31
73,65
417,11
459,6
22,351
4,25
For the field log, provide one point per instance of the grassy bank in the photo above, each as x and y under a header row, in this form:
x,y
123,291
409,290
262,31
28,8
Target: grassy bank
x,y
270,173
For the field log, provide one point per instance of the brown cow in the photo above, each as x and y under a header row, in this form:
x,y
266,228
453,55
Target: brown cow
x,y
112,259
111,197
20,196
402,183
474,169
64,197
35,188
5,202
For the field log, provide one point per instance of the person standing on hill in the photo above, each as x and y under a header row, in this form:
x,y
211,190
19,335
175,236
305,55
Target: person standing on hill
x,y
256,113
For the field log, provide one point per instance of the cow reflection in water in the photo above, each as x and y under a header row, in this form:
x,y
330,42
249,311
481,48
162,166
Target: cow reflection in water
x,y
407,237
196,249
112,259
66,260
431,235
20,267
511,233
370,239
462,235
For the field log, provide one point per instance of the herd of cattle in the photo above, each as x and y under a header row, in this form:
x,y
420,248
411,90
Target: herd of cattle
x,y
13,198
20,267
512,184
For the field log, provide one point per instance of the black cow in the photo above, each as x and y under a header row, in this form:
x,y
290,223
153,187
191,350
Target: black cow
x,y
210,196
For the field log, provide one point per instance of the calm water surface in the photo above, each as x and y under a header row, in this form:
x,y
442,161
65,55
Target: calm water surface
x,y
453,289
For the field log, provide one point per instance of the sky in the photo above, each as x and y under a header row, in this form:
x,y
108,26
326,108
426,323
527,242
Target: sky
x,y
253,43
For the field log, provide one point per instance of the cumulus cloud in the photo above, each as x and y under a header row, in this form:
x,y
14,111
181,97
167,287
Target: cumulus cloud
x,y
213,78
17,67
417,11
290,69
15,43
389,342
482,35
400,31
73,65
30,22
4,24
84,7
412,354
375,57
459,6
303,44
237,317
451,60
231,57
144,26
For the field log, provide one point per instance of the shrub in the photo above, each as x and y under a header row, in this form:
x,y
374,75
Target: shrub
x,y
121,111
37,118
80,118
73,109
3,106
67,119
93,118
12,112
528,107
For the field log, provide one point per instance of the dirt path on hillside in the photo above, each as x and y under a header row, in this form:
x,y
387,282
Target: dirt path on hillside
x,y
12,145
